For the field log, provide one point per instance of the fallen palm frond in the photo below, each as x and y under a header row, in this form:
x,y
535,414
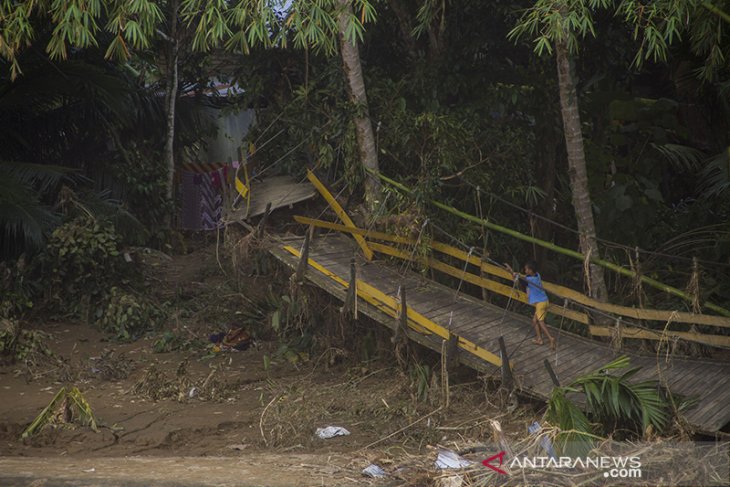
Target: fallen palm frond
x,y
612,402
67,408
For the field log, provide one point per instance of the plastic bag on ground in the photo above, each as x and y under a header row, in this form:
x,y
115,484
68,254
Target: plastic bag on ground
x,y
373,471
450,459
331,432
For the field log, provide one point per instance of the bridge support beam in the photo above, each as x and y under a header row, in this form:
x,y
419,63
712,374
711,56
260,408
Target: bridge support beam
x,y
508,381
452,352
350,303
304,257
262,223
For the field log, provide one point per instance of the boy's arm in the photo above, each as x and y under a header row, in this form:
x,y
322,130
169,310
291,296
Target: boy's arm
x,y
516,275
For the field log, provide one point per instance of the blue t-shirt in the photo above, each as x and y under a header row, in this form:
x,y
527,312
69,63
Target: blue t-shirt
x,y
535,292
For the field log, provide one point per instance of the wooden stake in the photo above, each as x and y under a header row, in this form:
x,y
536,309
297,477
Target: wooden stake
x,y
403,319
399,334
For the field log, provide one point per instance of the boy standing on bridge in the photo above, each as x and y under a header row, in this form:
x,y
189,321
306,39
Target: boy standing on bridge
x,y
537,297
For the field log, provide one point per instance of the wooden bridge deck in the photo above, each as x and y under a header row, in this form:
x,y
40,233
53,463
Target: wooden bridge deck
x,y
483,323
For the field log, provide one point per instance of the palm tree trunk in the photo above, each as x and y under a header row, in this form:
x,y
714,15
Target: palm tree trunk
x,y
171,100
577,170
363,126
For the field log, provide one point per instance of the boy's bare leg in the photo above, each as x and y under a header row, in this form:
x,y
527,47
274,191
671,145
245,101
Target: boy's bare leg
x,y
547,334
538,334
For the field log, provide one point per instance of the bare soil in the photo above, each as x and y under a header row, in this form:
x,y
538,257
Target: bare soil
x,y
232,418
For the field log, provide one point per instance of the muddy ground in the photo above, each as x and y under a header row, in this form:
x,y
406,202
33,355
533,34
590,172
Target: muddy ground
x,y
194,417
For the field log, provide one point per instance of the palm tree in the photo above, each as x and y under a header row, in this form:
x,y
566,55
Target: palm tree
x,y
58,124
25,220
577,169
561,23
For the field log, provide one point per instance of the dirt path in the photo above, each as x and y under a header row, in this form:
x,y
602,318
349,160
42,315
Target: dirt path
x,y
251,470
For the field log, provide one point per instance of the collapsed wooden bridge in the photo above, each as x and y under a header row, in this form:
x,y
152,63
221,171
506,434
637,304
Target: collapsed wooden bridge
x,y
481,335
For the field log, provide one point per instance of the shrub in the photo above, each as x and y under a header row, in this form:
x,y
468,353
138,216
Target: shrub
x,y
16,290
128,316
84,260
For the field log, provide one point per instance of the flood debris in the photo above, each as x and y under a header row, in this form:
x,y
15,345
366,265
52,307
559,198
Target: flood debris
x,y
331,431
545,443
110,366
451,481
68,408
20,345
157,384
234,340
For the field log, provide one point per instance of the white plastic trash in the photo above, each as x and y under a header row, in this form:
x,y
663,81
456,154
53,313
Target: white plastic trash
x,y
450,459
373,471
331,432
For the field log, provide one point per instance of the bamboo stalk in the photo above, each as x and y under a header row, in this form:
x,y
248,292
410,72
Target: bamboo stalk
x,y
556,248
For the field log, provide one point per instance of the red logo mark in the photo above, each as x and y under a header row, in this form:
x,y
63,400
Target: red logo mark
x,y
487,463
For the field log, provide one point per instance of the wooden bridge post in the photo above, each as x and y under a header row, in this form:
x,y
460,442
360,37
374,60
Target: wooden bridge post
x,y
262,223
304,258
507,379
400,335
350,303
402,326
452,351
550,370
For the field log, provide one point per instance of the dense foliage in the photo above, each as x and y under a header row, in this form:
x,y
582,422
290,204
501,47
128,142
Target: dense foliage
x,y
462,108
